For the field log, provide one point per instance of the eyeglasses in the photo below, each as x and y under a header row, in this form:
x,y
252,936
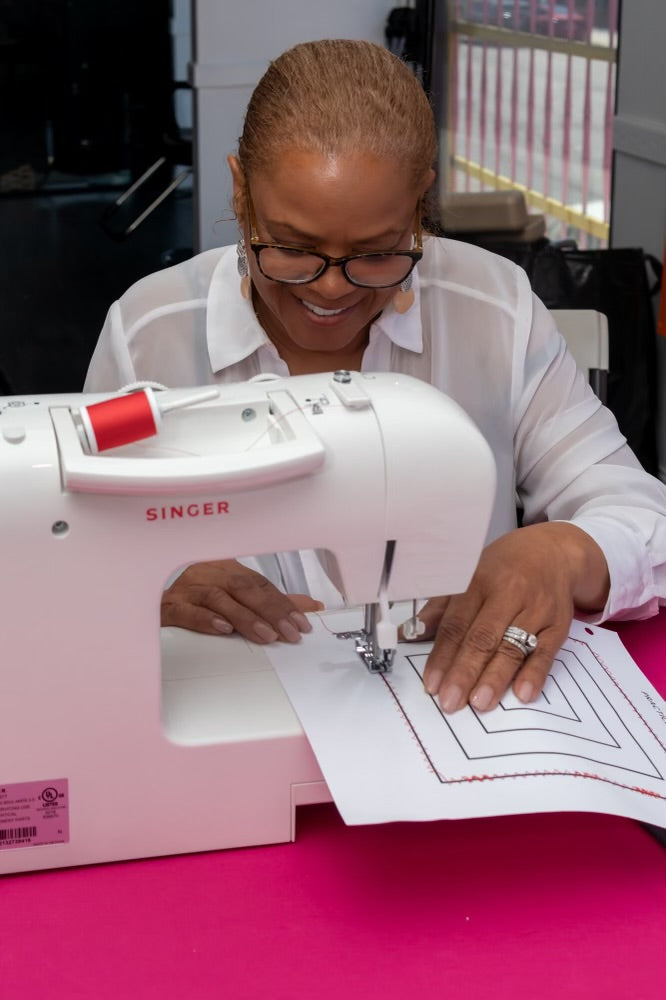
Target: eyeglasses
x,y
298,266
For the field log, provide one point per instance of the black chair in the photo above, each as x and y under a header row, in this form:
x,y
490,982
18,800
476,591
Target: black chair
x,y
159,151
124,216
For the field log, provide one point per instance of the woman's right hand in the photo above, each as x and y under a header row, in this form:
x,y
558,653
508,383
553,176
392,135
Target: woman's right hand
x,y
221,597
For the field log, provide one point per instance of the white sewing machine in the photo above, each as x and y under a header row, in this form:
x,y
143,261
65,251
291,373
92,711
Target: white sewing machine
x,y
120,740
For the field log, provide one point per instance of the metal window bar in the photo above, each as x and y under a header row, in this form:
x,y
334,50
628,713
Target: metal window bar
x,y
532,87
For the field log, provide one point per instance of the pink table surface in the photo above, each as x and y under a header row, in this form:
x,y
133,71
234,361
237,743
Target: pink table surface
x,y
543,906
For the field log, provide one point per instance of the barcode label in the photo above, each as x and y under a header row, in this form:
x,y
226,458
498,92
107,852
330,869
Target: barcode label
x,y
33,814
19,833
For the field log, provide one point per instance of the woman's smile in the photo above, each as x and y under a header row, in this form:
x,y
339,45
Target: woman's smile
x,y
326,316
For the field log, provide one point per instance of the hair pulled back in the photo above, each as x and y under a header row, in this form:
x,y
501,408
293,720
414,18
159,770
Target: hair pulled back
x,y
339,96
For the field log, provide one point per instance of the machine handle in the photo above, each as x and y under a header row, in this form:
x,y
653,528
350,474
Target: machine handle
x,y
299,452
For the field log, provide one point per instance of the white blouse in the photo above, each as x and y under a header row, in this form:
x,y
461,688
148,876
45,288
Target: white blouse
x,y
477,332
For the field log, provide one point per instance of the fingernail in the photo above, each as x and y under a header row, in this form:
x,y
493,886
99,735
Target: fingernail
x,y
264,632
300,621
483,697
222,625
450,698
432,681
288,631
525,691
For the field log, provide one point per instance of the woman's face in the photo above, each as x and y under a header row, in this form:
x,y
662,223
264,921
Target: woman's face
x,y
337,206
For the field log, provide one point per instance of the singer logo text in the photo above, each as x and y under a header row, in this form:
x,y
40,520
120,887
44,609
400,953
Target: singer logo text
x,y
180,512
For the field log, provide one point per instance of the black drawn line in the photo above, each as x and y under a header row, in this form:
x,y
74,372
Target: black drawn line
x,y
613,744
628,700
534,707
558,774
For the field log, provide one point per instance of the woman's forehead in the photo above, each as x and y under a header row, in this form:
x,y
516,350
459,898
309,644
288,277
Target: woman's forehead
x,y
307,183
332,166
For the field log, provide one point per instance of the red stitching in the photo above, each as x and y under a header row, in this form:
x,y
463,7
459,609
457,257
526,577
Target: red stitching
x,y
408,723
544,774
525,774
553,774
621,690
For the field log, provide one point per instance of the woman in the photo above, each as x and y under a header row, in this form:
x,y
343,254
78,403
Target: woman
x,y
333,271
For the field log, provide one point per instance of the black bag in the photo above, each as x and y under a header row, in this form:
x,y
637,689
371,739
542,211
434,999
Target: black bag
x,y
616,283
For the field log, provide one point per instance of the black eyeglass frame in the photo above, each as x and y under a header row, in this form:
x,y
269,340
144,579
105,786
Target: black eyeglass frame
x,y
256,245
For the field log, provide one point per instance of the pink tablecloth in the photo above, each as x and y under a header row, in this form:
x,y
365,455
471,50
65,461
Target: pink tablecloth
x,y
538,907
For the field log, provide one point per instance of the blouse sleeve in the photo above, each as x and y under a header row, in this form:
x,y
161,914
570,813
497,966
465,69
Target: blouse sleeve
x,y
111,365
573,464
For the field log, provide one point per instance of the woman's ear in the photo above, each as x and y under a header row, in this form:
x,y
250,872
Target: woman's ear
x,y
238,178
427,182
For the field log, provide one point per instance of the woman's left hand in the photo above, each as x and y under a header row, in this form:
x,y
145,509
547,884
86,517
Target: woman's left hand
x,y
531,578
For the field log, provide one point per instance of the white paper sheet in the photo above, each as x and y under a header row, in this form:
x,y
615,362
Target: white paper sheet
x,y
594,741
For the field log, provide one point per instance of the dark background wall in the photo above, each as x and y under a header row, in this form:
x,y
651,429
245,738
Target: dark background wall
x,y
86,103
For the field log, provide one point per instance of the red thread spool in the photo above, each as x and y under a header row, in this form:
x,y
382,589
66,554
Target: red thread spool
x,y
121,420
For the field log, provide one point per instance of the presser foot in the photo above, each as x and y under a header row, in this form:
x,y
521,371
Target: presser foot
x,y
378,661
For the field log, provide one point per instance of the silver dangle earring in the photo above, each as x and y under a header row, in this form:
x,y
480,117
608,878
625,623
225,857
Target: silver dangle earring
x,y
243,269
404,297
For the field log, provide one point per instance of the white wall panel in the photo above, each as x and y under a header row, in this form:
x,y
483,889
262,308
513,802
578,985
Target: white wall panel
x,y
232,45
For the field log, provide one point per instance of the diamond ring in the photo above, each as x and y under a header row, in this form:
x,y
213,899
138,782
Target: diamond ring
x,y
525,641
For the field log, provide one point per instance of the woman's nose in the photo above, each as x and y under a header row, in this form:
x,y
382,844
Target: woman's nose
x,y
332,284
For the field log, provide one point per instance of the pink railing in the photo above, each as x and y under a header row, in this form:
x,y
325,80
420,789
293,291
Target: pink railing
x,y
532,87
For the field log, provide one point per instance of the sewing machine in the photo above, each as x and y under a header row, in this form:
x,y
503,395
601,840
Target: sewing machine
x,y
123,740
